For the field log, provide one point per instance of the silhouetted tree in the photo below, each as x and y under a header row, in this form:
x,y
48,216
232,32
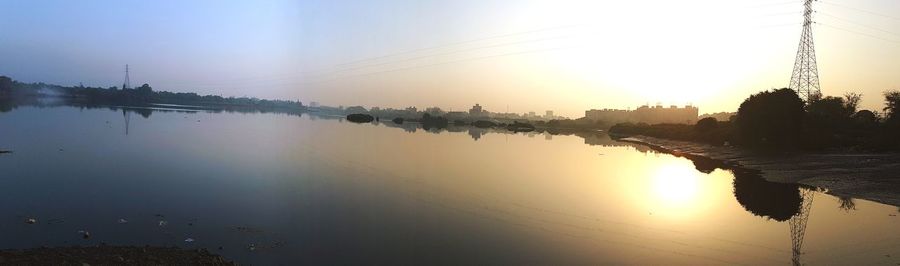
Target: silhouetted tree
x,y
827,115
830,108
773,118
865,119
356,110
892,106
429,121
706,125
851,102
6,85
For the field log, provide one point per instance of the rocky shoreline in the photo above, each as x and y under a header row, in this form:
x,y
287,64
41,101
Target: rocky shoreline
x,y
868,176
110,255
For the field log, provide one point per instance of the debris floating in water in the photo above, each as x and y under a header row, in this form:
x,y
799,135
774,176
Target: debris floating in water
x,y
31,221
189,240
85,234
163,223
123,221
252,247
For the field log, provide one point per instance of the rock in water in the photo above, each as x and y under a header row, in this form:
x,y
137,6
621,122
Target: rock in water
x,y
360,118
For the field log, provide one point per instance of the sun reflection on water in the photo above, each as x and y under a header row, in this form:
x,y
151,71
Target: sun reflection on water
x,y
676,185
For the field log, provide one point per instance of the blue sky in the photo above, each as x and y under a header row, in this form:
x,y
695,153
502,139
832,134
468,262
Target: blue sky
x,y
530,55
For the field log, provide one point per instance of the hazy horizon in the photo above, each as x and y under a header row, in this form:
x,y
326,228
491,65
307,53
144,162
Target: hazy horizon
x,y
528,55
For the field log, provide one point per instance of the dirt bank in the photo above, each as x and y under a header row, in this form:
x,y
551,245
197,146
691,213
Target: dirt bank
x,y
869,176
110,255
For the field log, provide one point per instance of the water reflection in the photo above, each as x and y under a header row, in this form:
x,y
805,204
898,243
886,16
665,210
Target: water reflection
x,y
676,185
476,133
777,201
326,190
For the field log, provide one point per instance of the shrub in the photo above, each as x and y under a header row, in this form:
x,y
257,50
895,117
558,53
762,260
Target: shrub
x,y
770,118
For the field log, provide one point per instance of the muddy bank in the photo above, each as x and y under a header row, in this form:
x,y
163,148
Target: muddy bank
x,y
110,255
869,176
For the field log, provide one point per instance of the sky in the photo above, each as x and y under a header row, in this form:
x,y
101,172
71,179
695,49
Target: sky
x,y
515,55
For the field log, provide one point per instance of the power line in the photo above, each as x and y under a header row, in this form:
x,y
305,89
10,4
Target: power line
x,y
861,10
775,4
459,43
341,67
447,53
860,33
413,59
437,64
858,24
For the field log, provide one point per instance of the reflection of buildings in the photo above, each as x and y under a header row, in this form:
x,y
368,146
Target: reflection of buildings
x,y
646,114
476,133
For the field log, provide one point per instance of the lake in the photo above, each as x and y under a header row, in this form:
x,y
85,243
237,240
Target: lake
x,y
268,188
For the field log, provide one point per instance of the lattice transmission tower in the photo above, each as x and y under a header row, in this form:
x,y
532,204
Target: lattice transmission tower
x,y
127,84
805,79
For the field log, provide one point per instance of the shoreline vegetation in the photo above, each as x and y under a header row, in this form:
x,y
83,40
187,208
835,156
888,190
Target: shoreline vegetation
x,y
14,93
429,122
780,121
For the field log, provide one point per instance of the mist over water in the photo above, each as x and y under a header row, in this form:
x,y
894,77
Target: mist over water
x,y
268,188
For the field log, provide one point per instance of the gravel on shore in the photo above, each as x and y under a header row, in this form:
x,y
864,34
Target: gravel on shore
x,y
110,255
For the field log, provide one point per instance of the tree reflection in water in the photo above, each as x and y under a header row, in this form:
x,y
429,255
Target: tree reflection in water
x,y
776,201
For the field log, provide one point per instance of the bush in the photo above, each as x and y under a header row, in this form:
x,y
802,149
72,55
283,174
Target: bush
x,y
892,106
706,125
770,118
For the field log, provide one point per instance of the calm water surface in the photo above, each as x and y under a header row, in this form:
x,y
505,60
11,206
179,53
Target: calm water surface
x,y
305,189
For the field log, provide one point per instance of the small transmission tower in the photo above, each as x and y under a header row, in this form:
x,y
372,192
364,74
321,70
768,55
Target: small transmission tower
x,y
805,79
127,84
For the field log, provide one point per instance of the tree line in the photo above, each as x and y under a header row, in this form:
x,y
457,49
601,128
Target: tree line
x,y
143,95
779,119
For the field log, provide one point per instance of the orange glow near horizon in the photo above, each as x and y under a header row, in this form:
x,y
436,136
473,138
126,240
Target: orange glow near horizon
x,y
614,54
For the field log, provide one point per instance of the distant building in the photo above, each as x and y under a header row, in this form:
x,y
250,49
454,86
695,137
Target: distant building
x,y
611,116
477,111
662,115
549,114
646,114
314,104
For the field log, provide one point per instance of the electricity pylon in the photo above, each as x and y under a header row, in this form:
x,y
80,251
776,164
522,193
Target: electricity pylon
x,y
805,79
127,84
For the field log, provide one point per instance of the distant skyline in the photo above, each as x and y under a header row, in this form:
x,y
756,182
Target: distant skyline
x,y
537,55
